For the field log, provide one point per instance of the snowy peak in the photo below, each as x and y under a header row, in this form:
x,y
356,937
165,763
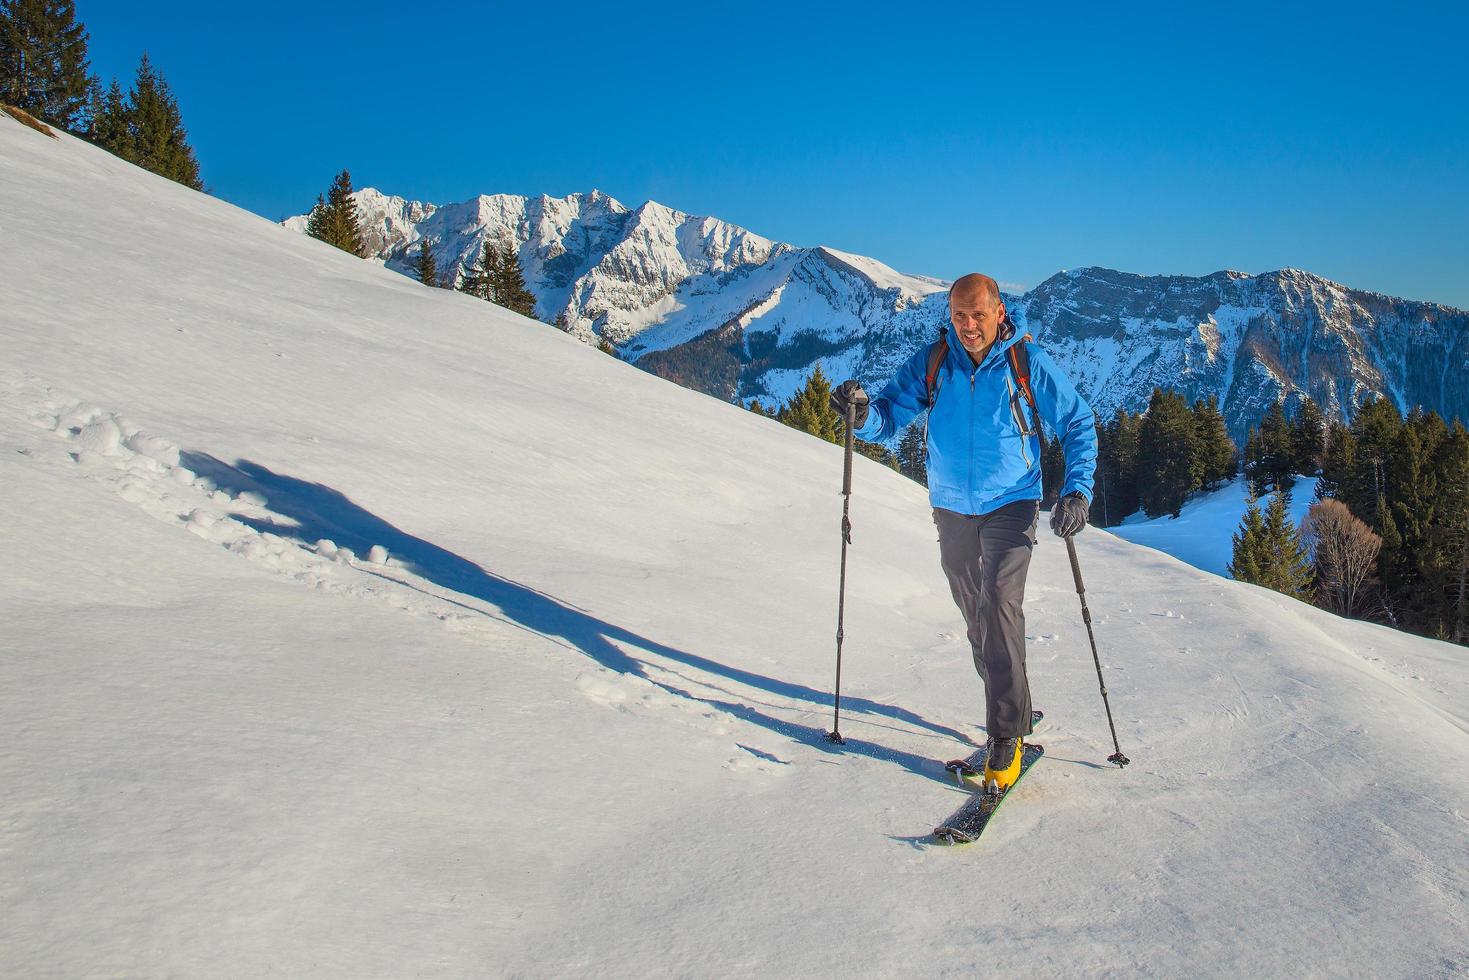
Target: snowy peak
x,y
594,265
395,217
660,248
724,246
907,288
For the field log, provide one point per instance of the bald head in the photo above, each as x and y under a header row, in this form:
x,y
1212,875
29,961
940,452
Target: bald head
x,y
976,311
973,289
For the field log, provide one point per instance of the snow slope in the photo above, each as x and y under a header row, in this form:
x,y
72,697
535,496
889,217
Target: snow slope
x,y
570,723
1203,532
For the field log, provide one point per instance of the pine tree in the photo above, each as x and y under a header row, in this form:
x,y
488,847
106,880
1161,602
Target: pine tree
x,y
1338,462
1215,449
1377,430
1254,475
159,142
1392,543
1414,571
1308,438
1268,550
478,280
508,284
913,454
1413,507
1277,460
108,121
605,346
43,61
810,409
424,266
335,221
759,409
1245,563
1104,476
1288,566
1408,479
877,452
1117,458
1450,537
1167,462
1361,475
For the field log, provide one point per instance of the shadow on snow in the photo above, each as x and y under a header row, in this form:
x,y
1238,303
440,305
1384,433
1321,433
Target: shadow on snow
x,y
312,511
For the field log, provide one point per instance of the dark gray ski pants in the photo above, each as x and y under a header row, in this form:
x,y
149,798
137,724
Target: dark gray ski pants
x,y
986,557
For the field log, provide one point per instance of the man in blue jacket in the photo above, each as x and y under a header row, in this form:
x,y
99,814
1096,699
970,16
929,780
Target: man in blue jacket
x,y
984,481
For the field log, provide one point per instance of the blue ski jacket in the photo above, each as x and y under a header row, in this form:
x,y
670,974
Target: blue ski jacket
x,y
983,447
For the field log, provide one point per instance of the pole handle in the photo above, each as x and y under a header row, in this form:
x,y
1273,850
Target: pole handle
x,y
1075,566
851,421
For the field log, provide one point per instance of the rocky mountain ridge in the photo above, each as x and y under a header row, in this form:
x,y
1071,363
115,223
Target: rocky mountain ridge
x,y
716,307
1250,340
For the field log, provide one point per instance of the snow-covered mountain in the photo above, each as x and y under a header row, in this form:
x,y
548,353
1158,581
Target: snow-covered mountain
x,y
358,629
697,300
1250,341
722,310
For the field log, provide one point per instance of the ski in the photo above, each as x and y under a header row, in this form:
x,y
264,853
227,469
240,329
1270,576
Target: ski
x,y
969,821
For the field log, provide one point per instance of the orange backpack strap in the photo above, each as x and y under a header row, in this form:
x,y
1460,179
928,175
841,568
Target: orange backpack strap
x,y
1019,359
1020,364
936,355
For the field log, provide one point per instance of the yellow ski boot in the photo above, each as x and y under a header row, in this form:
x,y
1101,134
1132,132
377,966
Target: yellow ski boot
x,y
1002,765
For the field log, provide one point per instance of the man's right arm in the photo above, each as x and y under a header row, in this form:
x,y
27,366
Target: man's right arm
x,y
900,400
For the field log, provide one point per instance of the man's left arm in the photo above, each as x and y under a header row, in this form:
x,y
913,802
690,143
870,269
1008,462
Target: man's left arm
x,y
1069,417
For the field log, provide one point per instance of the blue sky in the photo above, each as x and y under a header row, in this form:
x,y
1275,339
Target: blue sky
x,y
941,138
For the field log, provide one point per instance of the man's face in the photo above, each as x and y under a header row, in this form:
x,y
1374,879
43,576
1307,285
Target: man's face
x,y
976,319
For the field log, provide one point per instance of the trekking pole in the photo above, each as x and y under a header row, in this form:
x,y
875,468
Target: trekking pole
x,y
835,735
1117,758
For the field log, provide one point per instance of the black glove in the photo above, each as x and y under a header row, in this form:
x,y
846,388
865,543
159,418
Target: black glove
x,y
850,393
1069,515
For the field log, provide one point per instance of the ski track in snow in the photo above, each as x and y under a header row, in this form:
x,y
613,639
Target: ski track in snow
x,y
234,511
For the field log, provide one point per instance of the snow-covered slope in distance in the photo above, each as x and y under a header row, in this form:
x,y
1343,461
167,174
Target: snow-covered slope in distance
x,y
571,723
1203,532
720,309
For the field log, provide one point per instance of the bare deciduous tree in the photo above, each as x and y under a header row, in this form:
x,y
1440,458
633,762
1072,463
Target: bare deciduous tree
x,y
1344,551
